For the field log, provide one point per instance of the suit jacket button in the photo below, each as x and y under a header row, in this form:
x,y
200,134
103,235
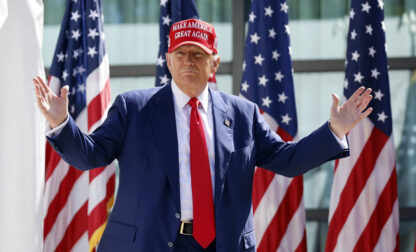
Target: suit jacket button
x,y
178,215
170,244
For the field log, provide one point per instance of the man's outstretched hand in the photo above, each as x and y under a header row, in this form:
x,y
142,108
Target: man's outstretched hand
x,y
53,107
344,118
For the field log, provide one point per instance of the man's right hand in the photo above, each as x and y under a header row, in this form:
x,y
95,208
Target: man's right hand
x,y
53,107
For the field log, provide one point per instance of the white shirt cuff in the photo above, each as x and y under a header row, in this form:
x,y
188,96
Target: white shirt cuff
x,y
341,141
57,130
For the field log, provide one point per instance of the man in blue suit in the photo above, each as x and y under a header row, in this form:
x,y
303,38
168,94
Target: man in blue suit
x,y
187,153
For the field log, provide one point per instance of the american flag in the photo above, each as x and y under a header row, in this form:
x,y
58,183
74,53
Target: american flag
x,y
363,212
279,215
77,203
171,11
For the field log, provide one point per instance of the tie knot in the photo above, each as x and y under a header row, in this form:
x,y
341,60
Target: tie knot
x,y
193,102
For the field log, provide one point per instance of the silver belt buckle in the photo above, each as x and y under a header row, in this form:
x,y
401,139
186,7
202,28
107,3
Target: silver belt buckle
x,y
182,227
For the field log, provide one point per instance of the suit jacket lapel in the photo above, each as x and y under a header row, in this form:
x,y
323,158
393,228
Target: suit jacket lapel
x,y
164,123
224,144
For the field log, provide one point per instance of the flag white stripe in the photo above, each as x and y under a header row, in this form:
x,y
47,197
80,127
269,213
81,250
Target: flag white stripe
x,y
363,209
77,197
269,204
98,187
357,137
52,185
387,239
296,226
81,244
96,79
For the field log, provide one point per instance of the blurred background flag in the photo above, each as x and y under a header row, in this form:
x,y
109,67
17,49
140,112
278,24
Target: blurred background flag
x,y
22,129
171,11
279,214
363,212
76,202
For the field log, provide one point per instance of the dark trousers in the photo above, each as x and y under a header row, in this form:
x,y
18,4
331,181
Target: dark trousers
x,y
187,243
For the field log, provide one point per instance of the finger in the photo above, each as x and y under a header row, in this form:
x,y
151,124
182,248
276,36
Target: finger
x,y
43,84
366,113
64,92
356,94
42,91
365,102
335,102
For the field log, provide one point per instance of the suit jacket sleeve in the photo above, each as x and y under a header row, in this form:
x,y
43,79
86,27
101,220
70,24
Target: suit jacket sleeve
x,y
99,148
294,158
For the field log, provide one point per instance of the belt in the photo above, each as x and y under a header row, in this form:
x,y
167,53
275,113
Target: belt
x,y
186,228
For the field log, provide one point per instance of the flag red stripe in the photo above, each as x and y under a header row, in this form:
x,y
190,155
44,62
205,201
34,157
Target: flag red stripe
x,y
60,199
75,229
302,246
261,181
95,172
99,214
287,208
98,105
382,212
51,160
284,135
355,184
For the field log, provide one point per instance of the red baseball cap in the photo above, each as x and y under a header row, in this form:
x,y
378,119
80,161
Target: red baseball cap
x,y
194,32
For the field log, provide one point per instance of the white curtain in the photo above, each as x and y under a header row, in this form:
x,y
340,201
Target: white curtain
x,y
22,141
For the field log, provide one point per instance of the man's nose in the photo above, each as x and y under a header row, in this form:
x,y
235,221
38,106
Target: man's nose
x,y
188,59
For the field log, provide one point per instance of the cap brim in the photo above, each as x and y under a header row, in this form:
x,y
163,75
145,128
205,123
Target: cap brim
x,y
206,49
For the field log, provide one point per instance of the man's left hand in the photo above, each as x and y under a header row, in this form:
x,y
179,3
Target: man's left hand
x,y
344,118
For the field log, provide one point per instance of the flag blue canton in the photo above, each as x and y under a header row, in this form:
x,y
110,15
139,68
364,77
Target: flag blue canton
x,y
80,49
171,11
366,59
267,69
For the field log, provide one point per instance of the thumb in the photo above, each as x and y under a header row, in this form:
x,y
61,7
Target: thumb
x,y
335,102
64,92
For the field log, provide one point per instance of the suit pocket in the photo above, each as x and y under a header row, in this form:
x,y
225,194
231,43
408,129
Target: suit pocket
x,y
120,231
249,240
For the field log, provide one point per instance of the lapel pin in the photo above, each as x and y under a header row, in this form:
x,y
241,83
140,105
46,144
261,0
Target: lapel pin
x,y
227,123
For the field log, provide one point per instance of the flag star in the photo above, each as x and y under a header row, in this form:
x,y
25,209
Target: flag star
x,y
254,38
75,71
272,33
244,66
275,55
263,80
289,50
72,108
358,77
75,16
66,56
346,83
163,2
266,101
268,11
378,95
75,1
81,69
75,34
81,88
286,119
375,73
61,57
77,53
371,51
92,51
355,56
282,97
382,117
366,7
102,35
93,33
287,29
346,62
245,86
252,17
160,61
64,75
284,7
369,29
258,59
93,14
166,20
353,34
383,26
352,13
164,79
278,76
380,4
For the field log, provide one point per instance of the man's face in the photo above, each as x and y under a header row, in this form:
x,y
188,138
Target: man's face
x,y
191,67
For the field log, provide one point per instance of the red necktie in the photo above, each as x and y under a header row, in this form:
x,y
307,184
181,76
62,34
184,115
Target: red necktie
x,y
203,203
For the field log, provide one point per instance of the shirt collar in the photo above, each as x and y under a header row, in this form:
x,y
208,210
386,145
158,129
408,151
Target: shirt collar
x,y
181,99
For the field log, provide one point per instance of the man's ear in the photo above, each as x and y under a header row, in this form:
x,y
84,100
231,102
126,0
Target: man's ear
x,y
168,59
215,63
